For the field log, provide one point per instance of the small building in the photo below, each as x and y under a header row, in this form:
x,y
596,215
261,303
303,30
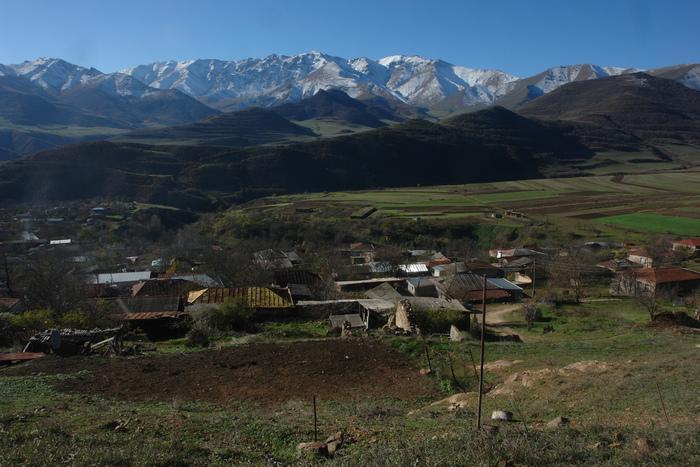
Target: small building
x,y
384,291
618,265
359,253
670,280
482,268
365,284
271,259
690,246
640,256
414,269
513,253
421,287
257,298
120,279
446,269
470,288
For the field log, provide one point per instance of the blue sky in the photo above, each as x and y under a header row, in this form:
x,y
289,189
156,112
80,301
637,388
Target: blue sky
x,y
521,37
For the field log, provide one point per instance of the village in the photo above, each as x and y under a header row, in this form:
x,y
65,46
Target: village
x,y
360,287
137,299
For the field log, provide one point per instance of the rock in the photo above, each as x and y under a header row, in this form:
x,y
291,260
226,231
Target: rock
x,y
455,334
314,447
643,445
337,436
489,429
501,415
558,422
425,371
506,463
333,447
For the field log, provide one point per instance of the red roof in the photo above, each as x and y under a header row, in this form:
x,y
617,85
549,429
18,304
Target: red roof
x,y
692,242
667,275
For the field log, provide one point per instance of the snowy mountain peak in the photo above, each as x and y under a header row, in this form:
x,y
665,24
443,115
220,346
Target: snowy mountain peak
x,y
54,74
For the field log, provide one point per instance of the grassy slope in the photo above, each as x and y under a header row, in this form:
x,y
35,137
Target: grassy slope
x,y
612,408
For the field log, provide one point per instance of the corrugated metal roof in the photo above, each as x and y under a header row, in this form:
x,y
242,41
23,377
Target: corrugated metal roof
x,y
255,297
414,268
120,277
503,284
153,315
19,356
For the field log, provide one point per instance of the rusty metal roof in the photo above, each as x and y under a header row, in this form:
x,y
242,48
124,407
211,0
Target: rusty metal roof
x,y
255,297
153,315
19,356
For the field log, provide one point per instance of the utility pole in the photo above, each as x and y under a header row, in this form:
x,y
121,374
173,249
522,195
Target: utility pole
x,y
483,340
534,276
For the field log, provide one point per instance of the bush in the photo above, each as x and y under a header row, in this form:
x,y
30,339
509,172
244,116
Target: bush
x,y
34,320
198,335
531,313
233,315
439,321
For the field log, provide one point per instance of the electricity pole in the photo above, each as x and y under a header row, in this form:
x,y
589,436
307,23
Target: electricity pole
x,y
483,340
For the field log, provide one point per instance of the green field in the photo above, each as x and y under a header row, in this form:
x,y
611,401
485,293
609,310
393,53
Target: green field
x,y
605,206
655,223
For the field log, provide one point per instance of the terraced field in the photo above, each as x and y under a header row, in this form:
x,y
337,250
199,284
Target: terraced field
x,y
667,202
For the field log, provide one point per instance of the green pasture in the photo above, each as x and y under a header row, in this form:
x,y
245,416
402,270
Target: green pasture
x,y
655,223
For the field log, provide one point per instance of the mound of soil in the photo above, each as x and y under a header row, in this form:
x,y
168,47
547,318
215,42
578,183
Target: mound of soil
x,y
267,374
675,319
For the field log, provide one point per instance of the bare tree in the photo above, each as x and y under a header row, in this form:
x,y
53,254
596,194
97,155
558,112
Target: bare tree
x,y
50,282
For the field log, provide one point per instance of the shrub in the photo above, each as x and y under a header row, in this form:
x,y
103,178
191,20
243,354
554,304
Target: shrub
x,y
34,320
232,315
531,313
439,321
198,335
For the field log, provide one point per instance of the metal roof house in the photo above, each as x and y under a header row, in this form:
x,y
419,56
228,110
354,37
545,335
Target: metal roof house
x,y
120,278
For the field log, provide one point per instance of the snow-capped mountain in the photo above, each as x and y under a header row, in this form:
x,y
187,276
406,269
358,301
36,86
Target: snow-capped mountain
x,y
54,75
274,79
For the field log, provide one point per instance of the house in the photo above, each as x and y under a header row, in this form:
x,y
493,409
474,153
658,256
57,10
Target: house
x,y
420,315
276,259
519,265
515,292
469,288
617,265
147,308
163,287
203,280
303,285
414,269
513,253
120,279
690,246
359,253
421,286
640,256
365,284
482,268
255,297
442,270
669,280
384,291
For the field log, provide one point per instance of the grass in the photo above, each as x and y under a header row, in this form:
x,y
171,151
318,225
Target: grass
x,y
656,223
609,410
